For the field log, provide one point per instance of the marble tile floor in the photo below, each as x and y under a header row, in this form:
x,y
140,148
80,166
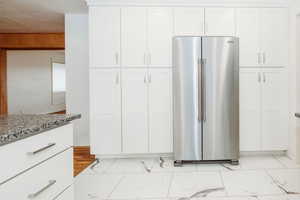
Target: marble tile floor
x,y
256,178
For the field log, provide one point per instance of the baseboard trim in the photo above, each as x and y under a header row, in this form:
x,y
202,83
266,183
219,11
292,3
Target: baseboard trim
x,y
152,155
170,155
263,153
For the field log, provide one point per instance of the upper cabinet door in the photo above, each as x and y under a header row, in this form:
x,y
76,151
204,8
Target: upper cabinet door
x,y
274,37
160,33
160,111
247,24
105,111
220,21
189,21
104,32
134,111
274,110
134,37
250,105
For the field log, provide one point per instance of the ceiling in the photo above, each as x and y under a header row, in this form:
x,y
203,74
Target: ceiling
x,y
37,16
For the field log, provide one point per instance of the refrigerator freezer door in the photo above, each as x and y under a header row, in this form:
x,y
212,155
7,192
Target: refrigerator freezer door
x,y
187,98
221,106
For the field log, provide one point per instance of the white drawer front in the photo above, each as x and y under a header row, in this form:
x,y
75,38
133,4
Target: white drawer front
x,y
67,195
44,182
23,154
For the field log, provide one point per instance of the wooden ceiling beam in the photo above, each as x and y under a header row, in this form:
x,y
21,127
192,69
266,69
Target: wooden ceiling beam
x,y
32,41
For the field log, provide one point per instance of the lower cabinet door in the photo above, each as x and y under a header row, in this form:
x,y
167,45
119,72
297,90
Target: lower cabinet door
x,y
105,111
43,182
250,103
274,110
160,111
134,111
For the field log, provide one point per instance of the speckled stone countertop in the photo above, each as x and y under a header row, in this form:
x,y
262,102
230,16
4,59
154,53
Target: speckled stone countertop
x,y
17,127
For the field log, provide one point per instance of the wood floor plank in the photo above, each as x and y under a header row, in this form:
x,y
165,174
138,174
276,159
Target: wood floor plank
x,y
82,158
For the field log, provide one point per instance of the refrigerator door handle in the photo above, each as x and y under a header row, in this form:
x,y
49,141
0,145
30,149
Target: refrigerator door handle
x,y
200,116
203,89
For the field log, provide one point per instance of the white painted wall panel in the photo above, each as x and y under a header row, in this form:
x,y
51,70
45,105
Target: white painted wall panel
x,y
77,83
29,82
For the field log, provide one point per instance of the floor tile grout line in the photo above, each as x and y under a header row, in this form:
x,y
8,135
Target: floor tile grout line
x,y
223,182
170,184
115,187
273,180
281,163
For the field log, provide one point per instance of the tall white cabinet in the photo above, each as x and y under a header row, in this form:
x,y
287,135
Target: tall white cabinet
x,y
104,36
134,37
134,111
263,34
263,110
131,74
105,111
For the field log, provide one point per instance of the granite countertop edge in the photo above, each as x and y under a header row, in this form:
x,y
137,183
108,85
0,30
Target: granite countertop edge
x,y
43,123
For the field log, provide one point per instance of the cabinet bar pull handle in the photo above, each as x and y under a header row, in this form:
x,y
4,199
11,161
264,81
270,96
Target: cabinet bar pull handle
x,y
149,78
42,149
259,58
264,77
145,78
118,78
145,58
34,195
259,77
117,58
149,58
264,58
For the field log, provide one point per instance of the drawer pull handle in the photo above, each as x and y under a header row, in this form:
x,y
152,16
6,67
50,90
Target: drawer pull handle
x,y
42,149
34,195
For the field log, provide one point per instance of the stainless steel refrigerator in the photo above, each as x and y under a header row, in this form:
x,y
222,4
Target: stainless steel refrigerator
x,y
206,99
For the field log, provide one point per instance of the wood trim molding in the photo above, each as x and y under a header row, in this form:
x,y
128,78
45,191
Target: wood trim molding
x,y
31,41
3,82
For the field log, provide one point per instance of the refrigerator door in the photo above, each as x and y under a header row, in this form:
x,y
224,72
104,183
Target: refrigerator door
x,y
187,98
220,98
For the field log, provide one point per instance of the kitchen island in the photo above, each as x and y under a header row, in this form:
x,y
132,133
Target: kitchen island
x,y
37,156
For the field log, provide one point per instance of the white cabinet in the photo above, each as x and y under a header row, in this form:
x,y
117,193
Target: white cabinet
x,y
38,167
105,111
250,109
160,33
134,37
274,110
134,111
248,32
131,113
274,37
160,111
263,34
188,21
263,110
220,21
104,36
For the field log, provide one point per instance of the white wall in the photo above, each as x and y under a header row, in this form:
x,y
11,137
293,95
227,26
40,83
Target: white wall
x,y
29,82
76,35
294,81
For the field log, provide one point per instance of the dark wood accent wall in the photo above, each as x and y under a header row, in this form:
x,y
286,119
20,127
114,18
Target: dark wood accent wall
x,y
3,82
37,41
